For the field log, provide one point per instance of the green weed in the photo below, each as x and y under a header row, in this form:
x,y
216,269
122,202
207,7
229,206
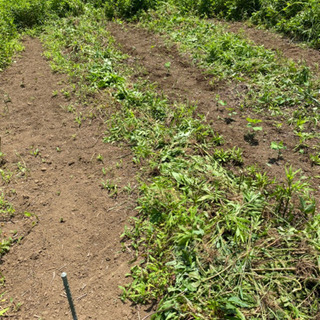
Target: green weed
x,y
6,175
6,208
127,8
315,158
111,187
279,146
100,158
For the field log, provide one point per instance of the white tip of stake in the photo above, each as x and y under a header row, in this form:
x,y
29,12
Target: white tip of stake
x,y
63,275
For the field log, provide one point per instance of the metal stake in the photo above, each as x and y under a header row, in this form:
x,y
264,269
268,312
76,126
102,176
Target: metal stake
x,y
68,292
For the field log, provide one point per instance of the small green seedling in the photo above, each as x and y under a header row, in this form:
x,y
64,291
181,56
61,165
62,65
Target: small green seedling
x,y
278,146
2,161
66,93
35,152
315,158
168,66
119,164
70,108
129,188
110,186
2,158
252,124
223,103
78,119
252,129
100,157
300,123
278,125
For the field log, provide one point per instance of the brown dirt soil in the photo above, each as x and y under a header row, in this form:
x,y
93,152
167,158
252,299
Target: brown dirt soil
x,y
187,83
276,42
79,223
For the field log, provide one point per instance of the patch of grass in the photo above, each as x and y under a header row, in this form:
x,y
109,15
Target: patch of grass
x,y
111,187
82,56
6,209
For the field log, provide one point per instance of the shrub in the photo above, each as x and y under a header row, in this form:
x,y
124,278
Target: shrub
x,y
27,14
63,8
7,33
241,9
128,8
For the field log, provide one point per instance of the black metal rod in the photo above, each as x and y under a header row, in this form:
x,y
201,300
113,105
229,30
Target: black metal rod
x,y
68,292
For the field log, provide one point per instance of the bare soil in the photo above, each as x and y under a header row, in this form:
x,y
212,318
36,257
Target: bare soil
x,y
79,223
185,82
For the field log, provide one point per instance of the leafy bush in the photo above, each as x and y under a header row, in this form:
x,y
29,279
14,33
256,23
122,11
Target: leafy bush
x,y
240,9
95,3
65,7
235,9
7,33
128,8
27,14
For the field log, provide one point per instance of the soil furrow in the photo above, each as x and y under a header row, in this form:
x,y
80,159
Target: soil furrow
x,y
79,223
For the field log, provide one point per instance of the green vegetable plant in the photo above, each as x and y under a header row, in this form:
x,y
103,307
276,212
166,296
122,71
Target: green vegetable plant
x,y
168,66
315,158
252,129
111,187
6,175
279,146
34,151
284,194
5,207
